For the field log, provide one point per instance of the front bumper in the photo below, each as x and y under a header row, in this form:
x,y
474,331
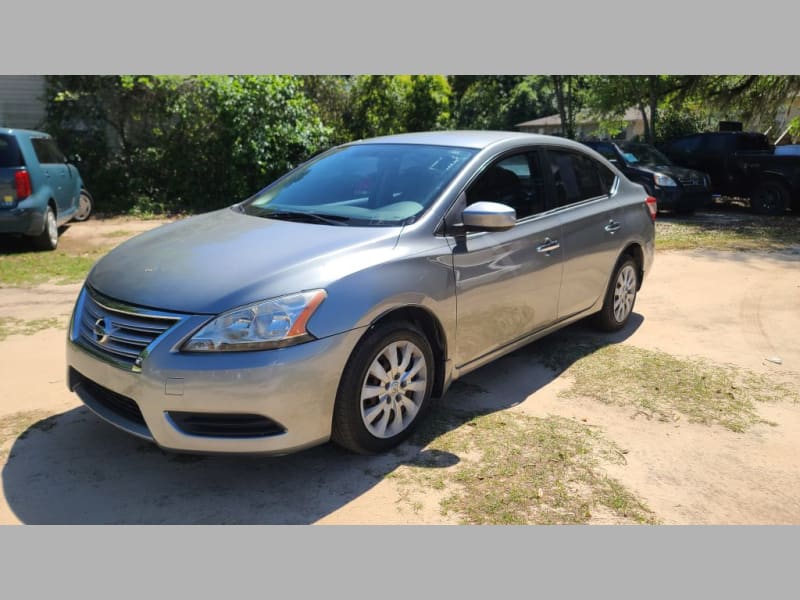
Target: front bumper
x,y
682,198
294,387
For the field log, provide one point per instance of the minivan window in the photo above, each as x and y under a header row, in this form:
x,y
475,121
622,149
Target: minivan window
x,y
362,184
575,177
46,151
10,156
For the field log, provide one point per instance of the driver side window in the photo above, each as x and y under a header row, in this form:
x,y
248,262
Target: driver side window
x,y
515,181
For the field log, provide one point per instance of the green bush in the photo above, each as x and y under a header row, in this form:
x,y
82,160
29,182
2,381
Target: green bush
x,y
181,144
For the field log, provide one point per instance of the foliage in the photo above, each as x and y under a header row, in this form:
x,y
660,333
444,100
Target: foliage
x,y
500,101
162,143
152,144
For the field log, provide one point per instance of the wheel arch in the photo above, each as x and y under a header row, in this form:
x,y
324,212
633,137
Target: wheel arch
x,y
430,326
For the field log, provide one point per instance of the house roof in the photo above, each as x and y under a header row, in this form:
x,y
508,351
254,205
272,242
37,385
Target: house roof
x,y
632,114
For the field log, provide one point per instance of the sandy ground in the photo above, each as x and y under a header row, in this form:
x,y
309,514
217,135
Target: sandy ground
x,y
733,308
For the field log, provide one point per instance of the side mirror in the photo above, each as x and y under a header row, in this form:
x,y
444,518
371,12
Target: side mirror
x,y
488,216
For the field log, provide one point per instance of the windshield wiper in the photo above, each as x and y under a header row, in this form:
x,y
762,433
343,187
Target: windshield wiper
x,y
305,217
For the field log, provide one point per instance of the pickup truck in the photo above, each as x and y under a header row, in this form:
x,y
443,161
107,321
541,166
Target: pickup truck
x,y
744,165
39,189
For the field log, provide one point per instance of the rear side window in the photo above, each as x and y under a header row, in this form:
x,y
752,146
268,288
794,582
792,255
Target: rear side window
x,y
46,151
10,156
687,144
607,178
752,143
718,143
575,176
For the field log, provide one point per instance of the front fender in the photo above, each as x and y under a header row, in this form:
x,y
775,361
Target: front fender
x,y
358,299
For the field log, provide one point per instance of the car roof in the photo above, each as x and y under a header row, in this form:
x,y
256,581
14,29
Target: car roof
x,y
27,132
478,139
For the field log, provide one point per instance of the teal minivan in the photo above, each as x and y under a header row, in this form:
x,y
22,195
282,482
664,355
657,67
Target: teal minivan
x,y
39,189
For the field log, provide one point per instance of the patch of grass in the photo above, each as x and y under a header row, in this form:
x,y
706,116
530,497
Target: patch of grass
x,y
14,426
745,233
10,326
118,233
31,268
516,469
659,385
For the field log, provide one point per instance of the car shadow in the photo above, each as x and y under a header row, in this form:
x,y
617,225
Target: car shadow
x,y
72,468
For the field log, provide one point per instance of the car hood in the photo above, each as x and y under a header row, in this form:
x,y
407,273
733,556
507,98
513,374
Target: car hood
x,y
673,171
213,262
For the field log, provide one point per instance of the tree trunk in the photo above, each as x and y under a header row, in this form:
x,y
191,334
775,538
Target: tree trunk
x,y
645,120
558,85
653,81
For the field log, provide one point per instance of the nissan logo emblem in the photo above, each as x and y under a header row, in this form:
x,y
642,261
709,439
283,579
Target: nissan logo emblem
x,y
102,329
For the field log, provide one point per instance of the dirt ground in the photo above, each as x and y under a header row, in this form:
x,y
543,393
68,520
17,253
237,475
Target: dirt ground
x,y
733,308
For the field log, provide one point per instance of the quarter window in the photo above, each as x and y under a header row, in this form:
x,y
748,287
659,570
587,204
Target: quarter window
x,y
46,151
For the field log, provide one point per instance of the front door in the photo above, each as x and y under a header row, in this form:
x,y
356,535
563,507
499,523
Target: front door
x,y
507,283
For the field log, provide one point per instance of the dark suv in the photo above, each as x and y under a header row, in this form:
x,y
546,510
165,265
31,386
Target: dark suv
x,y
677,188
742,164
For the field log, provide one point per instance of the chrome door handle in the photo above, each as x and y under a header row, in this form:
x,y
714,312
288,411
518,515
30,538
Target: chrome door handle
x,y
548,246
612,226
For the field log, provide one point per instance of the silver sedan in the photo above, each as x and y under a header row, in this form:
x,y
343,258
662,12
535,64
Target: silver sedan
x,y
336,302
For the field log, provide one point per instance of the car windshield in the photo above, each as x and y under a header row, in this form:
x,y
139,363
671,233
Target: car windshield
x,y
362,184
643,154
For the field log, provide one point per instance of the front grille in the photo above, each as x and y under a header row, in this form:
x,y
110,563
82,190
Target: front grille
x,y
118,332
117,403
692,180
225,425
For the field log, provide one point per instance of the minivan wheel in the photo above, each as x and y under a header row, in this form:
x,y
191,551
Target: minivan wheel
x,y
770,197
84,207
385,389
48,239
620,296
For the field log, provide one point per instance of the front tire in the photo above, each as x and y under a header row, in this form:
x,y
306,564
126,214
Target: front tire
x,y
385,389
84,207
48,239
620,296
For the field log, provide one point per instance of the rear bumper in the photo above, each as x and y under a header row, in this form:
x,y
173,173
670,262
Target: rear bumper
x,y
24,220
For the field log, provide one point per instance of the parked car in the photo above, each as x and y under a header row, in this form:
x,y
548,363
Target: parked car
x,y
676,188
39,189
742,164
338,300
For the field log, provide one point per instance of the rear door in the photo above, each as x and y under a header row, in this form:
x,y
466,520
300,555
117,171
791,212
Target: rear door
x,y
590,221
56,172
507,282
11,163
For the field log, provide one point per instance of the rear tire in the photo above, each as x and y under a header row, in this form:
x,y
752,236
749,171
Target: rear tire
x,y
620,296
48,239
770,197
385,389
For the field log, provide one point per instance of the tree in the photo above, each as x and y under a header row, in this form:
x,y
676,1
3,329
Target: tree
x,y
183,143
428,103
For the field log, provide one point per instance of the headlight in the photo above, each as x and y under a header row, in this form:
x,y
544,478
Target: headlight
x,y
663,180
259,326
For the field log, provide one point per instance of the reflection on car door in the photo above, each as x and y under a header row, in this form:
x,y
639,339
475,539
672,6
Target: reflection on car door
x,y
507,283
590,220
